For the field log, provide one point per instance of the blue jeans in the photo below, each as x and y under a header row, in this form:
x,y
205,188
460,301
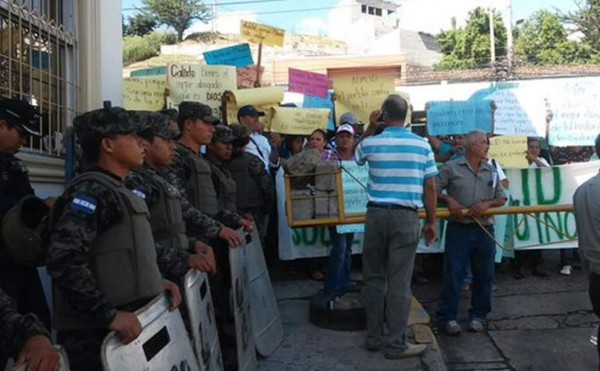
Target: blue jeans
x,y
340,262
464,243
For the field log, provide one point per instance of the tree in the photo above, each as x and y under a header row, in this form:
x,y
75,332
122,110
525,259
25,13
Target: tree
x,y
586,19
178,14
543,40
124,28
141,24
469,47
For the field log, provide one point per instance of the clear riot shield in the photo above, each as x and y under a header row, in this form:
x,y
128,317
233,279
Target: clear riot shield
x,y
163,344
241,309
202,321
63,365
266,323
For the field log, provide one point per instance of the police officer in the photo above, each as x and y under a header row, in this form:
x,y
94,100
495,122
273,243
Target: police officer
x,y
18,121
25,338
218,154
169,212
101,255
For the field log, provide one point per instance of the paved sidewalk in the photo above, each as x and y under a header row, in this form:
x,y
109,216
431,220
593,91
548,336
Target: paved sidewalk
x,y
310,348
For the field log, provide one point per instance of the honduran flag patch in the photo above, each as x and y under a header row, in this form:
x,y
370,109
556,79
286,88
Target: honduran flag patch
x,y
138,192
85,204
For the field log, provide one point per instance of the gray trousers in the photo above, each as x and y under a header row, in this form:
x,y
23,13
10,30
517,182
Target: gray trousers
x,y
390,244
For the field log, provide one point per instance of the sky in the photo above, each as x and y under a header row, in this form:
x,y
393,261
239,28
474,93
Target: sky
x,y
312,16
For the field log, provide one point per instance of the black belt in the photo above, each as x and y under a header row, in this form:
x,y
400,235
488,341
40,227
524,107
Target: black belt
x,y
390,206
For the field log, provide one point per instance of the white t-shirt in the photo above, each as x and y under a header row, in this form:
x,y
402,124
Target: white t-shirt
x,y
496,165
259,146
533,165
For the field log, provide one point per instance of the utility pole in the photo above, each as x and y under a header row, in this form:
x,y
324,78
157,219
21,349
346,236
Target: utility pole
x,y
492,37
510,41
214,16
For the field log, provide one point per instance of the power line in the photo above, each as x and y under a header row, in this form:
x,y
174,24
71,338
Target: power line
x,y
218,4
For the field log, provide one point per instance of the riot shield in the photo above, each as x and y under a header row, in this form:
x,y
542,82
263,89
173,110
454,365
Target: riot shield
x,y
163,344
64,361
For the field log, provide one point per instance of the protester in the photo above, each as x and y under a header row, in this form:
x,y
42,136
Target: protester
x,y
470,182
101,255
401,178
260,145
587,206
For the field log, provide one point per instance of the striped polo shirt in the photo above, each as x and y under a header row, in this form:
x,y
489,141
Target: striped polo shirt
x,y
399,162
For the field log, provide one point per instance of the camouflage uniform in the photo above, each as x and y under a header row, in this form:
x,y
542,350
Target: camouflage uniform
x,y
15,329
74,232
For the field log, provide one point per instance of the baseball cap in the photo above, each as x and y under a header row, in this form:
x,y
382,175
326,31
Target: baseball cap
x,y
249,110
21,113
197,111
345,128
223,134
104,122
349,118
154,124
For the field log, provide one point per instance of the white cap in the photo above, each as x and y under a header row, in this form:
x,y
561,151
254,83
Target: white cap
x,y
347,128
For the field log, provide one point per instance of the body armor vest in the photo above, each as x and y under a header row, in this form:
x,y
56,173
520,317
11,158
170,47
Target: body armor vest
x,y
249,194
199,187
227,196
166,217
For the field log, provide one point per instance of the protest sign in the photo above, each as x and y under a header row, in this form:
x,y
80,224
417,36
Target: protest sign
x,y
200,83
354,179
509,151
237,56
519,111
298,121
144,93
361,93
575,114
317,102
261,34
262,98
308,83
459,117
152,71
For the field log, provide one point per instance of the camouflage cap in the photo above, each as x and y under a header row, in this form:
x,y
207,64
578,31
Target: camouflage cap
x,y
197,111
154,124
104,122
223,134
21,113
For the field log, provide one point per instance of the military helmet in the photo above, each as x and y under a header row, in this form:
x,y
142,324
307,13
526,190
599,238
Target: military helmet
x,y
24,231
154,124
104,122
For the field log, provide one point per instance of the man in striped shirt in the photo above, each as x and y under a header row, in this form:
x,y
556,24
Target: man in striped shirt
x,y
401,179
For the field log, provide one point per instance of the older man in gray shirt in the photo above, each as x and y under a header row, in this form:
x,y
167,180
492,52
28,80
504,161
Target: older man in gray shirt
x,y
470,182
587,217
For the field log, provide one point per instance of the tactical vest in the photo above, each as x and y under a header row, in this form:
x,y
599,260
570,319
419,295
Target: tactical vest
x,y
166,217
122,258
199,187
227,189
249,194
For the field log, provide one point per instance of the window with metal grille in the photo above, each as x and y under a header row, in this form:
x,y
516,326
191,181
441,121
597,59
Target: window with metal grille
x,y
38,63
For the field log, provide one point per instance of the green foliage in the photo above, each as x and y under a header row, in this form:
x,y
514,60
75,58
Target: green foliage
x,y
140,24
543,40
178,14
140,48
469,47
586,19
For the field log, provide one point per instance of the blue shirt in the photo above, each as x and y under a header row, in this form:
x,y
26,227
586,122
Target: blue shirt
x,y
399,163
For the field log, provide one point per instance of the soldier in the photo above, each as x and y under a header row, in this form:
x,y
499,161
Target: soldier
x,y
169,212
218,154
18,121
101,255
25,338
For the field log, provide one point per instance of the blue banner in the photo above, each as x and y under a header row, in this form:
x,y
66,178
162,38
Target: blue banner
x,y
317,102
459,117
237,55
146,72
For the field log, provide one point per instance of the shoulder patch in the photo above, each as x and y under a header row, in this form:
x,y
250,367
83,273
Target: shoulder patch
x,y
85,204
138,192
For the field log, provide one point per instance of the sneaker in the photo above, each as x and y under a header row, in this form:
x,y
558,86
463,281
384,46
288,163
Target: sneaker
x,y
452,328
374,345
566,270
412,350
476,325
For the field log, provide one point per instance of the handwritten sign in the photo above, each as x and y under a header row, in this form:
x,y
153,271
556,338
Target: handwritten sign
x,y
298,121
246,76
144,94
361,93
509,151
317,102
261,34
519,112
200,83
308,83
153,71
354,180
237,56
459,117
575,115
261,98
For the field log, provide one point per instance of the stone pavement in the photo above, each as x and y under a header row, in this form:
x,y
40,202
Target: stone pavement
x,y
310,348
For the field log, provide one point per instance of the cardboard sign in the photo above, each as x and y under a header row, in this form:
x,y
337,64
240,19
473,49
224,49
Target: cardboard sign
x,y
308,83
153,71
459,117
261,98
509,151
200,83
317,102
519,112
298,121
144,93
237,56
261,34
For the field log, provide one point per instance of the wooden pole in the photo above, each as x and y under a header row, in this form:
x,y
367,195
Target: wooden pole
x,y
257,82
